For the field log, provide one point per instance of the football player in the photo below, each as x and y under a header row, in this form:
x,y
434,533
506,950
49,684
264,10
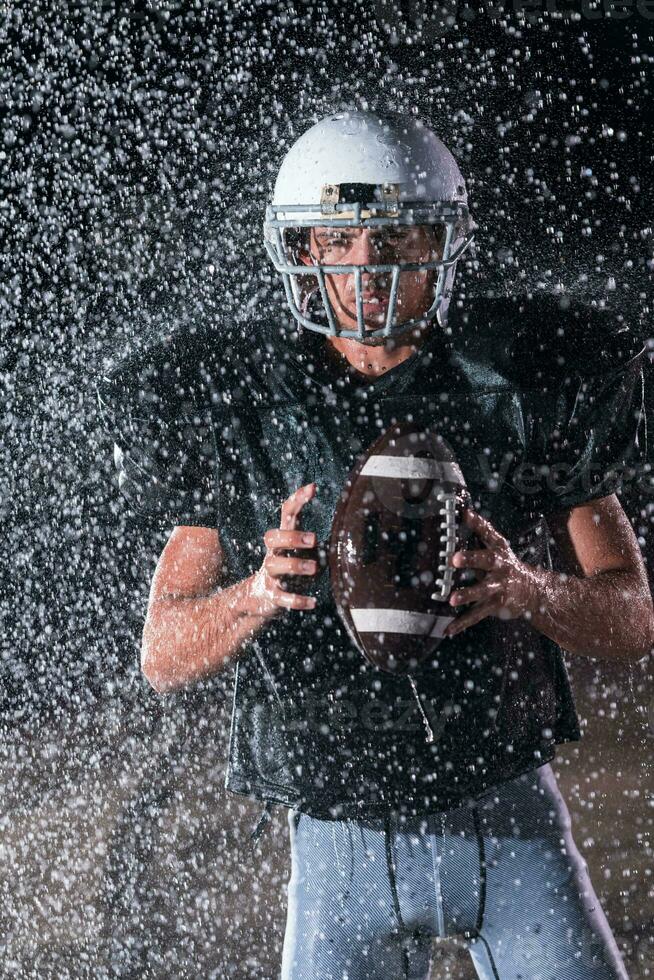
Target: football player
x,y
243,447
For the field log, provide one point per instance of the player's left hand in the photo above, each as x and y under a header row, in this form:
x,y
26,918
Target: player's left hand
x,y
508,587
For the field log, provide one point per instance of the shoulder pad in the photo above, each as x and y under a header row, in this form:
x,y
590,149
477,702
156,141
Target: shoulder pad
x,y
539,338
185,369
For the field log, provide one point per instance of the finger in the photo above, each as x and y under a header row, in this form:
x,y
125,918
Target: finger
x,y
293,505
282,565
484,529
291,600
470,618
487,559
288,539
480,592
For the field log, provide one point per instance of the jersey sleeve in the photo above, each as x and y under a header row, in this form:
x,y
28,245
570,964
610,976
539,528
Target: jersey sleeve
x,y
590,437
164,451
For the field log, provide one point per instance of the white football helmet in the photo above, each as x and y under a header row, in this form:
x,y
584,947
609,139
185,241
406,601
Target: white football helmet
x,y
363,169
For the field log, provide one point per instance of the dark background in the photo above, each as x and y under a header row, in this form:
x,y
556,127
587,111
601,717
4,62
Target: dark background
x,y
139,144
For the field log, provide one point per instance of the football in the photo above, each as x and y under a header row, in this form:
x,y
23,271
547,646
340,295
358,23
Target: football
x,y
396,524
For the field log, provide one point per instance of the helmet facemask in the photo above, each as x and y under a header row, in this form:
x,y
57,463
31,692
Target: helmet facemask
x,y
288,228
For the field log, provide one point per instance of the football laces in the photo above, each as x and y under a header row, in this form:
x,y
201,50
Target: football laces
x,y
445,578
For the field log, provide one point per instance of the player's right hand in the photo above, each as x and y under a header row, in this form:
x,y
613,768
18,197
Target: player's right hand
x,y
267,595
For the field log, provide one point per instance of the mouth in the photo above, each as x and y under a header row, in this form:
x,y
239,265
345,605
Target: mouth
x,y
374,302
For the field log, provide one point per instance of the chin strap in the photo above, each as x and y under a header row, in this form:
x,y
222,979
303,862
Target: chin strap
x,y
430,737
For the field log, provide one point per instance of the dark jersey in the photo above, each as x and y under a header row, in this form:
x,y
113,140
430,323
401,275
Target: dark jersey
x,y
542,406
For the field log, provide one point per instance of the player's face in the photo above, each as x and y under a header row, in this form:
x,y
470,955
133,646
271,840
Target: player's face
x,y
376,246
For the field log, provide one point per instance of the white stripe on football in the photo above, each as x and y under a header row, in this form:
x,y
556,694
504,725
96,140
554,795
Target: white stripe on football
x,y
399,621
413,468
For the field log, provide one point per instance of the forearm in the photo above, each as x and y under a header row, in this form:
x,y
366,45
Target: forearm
x,y
188,638
606,615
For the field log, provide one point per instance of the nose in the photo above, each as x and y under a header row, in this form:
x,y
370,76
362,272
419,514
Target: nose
x,y
366,252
